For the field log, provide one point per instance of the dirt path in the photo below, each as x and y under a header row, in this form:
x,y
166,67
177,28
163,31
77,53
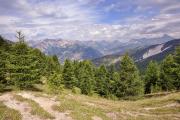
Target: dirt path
x,y
46,104
166,106
96,118
22,107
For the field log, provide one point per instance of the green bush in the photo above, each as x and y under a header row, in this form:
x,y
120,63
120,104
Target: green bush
x,y
76,90
55,83
1,87
112,97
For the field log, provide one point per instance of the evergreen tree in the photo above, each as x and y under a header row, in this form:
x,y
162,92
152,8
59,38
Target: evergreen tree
x,y
57,65
112,77
55,83
5,48
49,65
168,68
111,71
177,68
68,74
41,62
177,55
22,66
130,83
114,83
3,59
52,65
86,78
4,45
102,81
151,77
77,71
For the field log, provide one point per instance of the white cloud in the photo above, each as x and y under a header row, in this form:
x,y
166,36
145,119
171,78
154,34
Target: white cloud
x,y
72,19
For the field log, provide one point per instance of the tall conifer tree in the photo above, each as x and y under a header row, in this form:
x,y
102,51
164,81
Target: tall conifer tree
x,y
152,76
68,74
177,71
130,83
86,78
102,81
168,77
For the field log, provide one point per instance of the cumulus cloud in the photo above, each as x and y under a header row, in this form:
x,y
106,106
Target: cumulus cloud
x,y
84,19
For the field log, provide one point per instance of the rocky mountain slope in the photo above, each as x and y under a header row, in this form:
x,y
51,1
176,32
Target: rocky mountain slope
x,y
143,55
66,49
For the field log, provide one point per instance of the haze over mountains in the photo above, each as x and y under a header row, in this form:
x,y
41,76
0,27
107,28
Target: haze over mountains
x,y
81,50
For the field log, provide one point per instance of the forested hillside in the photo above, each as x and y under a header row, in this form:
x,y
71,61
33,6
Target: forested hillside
x,y
23,67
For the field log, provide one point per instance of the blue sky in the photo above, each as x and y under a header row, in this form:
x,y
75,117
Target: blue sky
x,y
90,19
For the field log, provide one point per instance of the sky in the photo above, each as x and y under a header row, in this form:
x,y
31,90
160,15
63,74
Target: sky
x,y
121,20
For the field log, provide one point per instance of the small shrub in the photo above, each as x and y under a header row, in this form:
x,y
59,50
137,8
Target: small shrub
x,y
1,87
55,83
112,97
76,90
155,89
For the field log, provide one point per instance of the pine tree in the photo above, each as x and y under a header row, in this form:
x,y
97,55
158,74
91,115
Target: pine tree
x,y
168,68
5,49
55,83
41,61
112,77
130,83
4,45
68,75
22,66
77,71
177,69
56,63
111,71
151,77
177,55
86,78
114,83
3,59
51,64
102,81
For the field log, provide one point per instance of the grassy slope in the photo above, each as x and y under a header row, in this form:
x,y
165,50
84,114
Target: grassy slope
x,y
83,107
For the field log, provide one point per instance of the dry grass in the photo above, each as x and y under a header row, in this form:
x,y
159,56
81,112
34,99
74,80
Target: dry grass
x,y
163,107
82,107
8,113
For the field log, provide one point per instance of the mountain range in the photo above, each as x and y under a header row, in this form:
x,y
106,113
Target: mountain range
x,y
81,50
66,49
